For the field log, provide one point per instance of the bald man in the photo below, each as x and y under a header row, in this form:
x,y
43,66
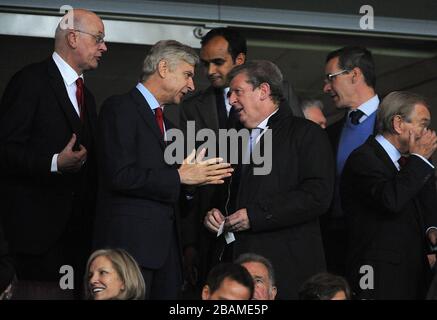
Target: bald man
x,y
47,164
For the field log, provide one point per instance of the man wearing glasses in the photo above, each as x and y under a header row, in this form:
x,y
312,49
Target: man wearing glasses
x,y
350,82
47,159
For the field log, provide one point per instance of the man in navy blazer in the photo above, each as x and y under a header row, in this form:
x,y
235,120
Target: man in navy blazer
x,y
139,188
390,203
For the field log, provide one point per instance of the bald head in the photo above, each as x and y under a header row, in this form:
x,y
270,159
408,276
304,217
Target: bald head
x,y
78,39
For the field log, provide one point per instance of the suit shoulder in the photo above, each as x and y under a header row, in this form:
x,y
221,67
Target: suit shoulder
x,y
303,125
196,96
31,73
364,155
116,102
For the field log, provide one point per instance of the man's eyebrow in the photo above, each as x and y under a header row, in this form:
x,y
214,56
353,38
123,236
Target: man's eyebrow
x,y
215,60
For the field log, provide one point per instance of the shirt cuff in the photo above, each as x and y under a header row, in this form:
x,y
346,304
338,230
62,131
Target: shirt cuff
x,y
424,159
54,167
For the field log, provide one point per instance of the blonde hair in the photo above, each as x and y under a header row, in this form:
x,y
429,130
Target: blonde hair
x,y
126,268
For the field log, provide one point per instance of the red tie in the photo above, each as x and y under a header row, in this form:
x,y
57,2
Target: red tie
x,y
159,119
80,98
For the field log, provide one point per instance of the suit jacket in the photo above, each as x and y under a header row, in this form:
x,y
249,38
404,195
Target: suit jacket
x,y
202,109
138,194
283,206
37,120
387,213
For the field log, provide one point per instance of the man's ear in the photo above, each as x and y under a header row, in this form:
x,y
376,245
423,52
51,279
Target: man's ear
x,y
205,292
274,292
240,59
398,124
71,39
264,90
357,74
163,68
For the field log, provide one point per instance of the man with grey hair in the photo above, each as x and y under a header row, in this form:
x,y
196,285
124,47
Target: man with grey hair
x,y
263,275
276,214
389,198
313,110
47,159
139,191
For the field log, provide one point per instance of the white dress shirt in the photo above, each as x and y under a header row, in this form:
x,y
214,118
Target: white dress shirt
x,y
70,76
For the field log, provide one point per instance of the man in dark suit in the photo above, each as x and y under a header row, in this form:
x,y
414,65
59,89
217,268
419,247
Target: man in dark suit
x,y
48,168
350,81
390,202
275,214
140,189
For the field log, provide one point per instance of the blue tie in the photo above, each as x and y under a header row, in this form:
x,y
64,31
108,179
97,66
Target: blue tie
x,y
252,143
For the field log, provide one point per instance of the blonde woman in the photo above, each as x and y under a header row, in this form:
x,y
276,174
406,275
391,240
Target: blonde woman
x,y
112,274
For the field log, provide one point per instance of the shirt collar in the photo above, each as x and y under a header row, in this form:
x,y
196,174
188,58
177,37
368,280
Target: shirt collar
x,y
263,124
368,107
225,91
151,100
391,150
67,72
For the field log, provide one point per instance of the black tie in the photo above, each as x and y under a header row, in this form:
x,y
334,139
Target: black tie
x,y
402,161
356,116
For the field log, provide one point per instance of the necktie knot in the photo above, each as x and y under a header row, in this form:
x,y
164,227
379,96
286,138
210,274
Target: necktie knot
x,y
356,116
80,97
403,161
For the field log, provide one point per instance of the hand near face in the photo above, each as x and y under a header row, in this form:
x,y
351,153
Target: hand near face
x,y
196,171
425,145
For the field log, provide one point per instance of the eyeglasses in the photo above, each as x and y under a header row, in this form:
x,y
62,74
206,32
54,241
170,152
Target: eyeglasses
x,y
331,76
99,39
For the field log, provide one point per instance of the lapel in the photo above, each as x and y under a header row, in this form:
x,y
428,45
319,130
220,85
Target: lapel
x,y
147,114
382,154
90,110
246,181
207,109
57,83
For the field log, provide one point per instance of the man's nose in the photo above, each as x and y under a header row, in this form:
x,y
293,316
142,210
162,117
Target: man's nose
x,y
190,84
327,87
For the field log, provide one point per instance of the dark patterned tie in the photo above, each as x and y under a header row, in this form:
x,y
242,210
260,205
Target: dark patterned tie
x,y
402,161
356,116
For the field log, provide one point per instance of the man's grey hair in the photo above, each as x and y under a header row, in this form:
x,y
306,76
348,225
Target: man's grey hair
x,y
262,71
311,103
397,103
171,51
253,257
